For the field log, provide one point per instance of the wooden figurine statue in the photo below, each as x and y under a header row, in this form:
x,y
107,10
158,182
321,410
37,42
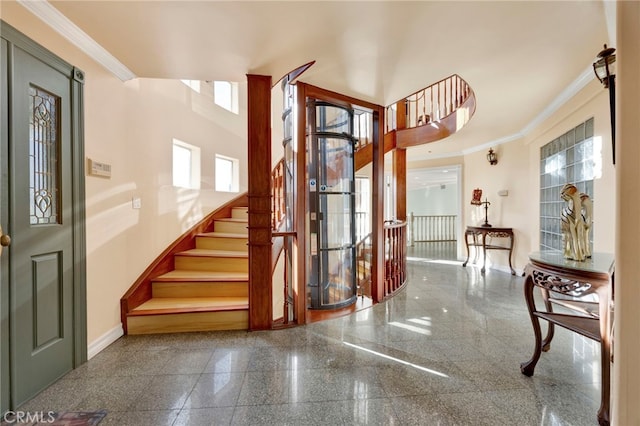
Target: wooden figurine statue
x,y
577,218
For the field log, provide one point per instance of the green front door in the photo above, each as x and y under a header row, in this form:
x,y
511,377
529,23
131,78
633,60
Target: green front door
x,y
39,267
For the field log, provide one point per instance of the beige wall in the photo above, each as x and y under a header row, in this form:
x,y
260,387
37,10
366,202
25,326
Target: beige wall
x,y
131,126
593,101
518,172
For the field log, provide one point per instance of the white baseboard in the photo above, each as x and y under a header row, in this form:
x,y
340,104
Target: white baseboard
x,y
103,341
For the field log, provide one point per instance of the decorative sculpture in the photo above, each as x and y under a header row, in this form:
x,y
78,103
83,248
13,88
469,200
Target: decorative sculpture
x,y
476,200
577,218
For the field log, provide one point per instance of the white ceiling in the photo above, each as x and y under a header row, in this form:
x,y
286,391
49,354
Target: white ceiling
x,y
518,56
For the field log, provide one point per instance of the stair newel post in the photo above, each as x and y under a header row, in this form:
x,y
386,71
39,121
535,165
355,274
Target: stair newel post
x,y
260,232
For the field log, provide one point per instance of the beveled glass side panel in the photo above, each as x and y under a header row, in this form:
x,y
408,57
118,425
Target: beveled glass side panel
x,y
44,193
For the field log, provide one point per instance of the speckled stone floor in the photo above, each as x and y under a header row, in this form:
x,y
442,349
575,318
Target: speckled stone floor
x,y
445,351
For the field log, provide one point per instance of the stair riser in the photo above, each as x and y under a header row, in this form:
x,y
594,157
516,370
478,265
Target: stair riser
x,y
198,321
231,227
219,243
239,213
212,263
200,289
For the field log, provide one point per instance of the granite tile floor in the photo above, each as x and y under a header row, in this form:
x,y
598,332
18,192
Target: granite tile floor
x,y
445,351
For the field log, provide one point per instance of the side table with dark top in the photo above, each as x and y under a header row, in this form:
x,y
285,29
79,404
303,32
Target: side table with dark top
x,y
571,284
482,232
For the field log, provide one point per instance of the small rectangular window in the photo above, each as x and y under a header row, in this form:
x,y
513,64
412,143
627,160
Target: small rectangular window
x,y
186,165
225,95
227,175
194,84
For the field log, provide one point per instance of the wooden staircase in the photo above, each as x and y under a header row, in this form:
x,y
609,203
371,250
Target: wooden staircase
x,y
208,287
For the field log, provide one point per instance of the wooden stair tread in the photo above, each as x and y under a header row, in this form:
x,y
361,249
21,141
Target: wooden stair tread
x,y
233,219
213,253
177,305
223,235
185,275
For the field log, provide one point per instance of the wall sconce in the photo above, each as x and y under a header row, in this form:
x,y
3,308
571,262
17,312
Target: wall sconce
x,y
492,157
604,68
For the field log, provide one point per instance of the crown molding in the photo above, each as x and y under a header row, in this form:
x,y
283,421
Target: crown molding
x,y
573,89
63,26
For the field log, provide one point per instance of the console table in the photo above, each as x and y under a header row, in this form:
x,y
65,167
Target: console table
x,y
565,283
483,232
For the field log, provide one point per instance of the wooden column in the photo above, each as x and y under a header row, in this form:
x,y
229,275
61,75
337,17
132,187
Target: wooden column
x,y
377,213
259,164
400,178
401,114
400,164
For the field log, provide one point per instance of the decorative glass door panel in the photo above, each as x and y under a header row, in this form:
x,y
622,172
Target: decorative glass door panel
x,y
331,206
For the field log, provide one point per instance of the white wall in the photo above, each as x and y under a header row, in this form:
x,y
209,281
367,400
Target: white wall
x,y
433,200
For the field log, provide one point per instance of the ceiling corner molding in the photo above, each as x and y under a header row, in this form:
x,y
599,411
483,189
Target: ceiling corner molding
x,y
63,26
573,89
495,142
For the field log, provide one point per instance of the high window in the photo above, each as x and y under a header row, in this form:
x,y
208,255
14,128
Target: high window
x,y
186,165
227,174
193,84
225,95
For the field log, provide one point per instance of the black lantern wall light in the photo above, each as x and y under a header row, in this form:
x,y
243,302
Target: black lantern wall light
x,y
492,158
604,67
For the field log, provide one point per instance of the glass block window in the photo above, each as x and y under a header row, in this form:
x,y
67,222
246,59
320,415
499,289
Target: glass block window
x,y
571,158
43,157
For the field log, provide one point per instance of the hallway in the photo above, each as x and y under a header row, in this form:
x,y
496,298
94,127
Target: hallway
x,y
446,350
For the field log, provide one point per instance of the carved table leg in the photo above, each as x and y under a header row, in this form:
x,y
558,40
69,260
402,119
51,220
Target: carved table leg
x,y
528,367
605,354
466,243
546,343
513,271
484,252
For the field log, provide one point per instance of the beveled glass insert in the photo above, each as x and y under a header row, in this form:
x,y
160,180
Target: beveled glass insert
x,y
44,193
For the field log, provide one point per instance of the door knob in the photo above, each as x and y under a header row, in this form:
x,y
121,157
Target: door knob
x,y
5,240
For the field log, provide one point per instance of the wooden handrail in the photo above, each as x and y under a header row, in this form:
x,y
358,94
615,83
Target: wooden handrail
x,y
432,104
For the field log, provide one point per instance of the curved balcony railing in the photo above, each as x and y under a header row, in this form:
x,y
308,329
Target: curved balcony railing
x,y
395,257
432,228
439,110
